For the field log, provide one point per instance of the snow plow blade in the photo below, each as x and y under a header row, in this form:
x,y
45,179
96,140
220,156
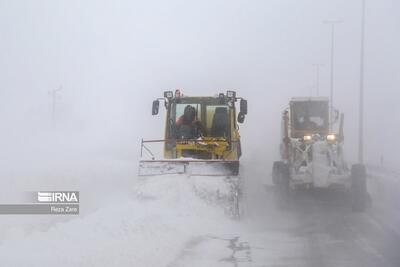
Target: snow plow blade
x,y
191,167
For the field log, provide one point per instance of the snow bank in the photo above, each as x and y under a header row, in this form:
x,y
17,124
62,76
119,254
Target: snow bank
x,y
148,227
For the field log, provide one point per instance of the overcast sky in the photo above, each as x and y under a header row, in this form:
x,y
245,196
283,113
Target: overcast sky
x,y
113,58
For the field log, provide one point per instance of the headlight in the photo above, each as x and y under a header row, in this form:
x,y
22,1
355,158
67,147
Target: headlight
x,y
307,138
331,137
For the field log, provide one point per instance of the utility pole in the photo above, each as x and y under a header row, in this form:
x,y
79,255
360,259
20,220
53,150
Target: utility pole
x,y
332,23
318,66
53,95
361,104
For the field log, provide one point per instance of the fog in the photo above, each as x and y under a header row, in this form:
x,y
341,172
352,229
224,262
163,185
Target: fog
x,y
110,59
113,58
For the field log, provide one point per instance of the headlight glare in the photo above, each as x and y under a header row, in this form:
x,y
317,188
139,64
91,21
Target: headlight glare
x,y
331,137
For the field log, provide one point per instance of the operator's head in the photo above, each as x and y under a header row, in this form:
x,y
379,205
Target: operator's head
x,y
189,113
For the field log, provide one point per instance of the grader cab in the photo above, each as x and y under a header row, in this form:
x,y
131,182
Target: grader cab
x,y
201,136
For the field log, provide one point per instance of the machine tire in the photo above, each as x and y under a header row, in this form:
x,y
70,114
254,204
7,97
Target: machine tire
x,y
358,188
283,185
276,168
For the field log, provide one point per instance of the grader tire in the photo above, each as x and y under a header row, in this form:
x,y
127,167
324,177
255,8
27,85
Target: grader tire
x,y
283,185
276,169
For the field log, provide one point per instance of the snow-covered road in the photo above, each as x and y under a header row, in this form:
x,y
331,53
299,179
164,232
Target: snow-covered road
x,y
319,229
162,221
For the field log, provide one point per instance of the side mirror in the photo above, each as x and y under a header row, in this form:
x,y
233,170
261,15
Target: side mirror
x,y
241,117
243,107
156,107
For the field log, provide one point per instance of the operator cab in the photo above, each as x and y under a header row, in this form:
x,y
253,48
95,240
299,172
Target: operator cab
x,y
309,116
202,127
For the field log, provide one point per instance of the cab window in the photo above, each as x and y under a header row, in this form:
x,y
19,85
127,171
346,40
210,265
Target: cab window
x,y
217,120
180,108
311,116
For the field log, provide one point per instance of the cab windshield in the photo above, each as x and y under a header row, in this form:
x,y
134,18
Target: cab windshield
x,y
310,116
207,119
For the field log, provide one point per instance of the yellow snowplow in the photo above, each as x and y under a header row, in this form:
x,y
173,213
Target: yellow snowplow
x,y
201,136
